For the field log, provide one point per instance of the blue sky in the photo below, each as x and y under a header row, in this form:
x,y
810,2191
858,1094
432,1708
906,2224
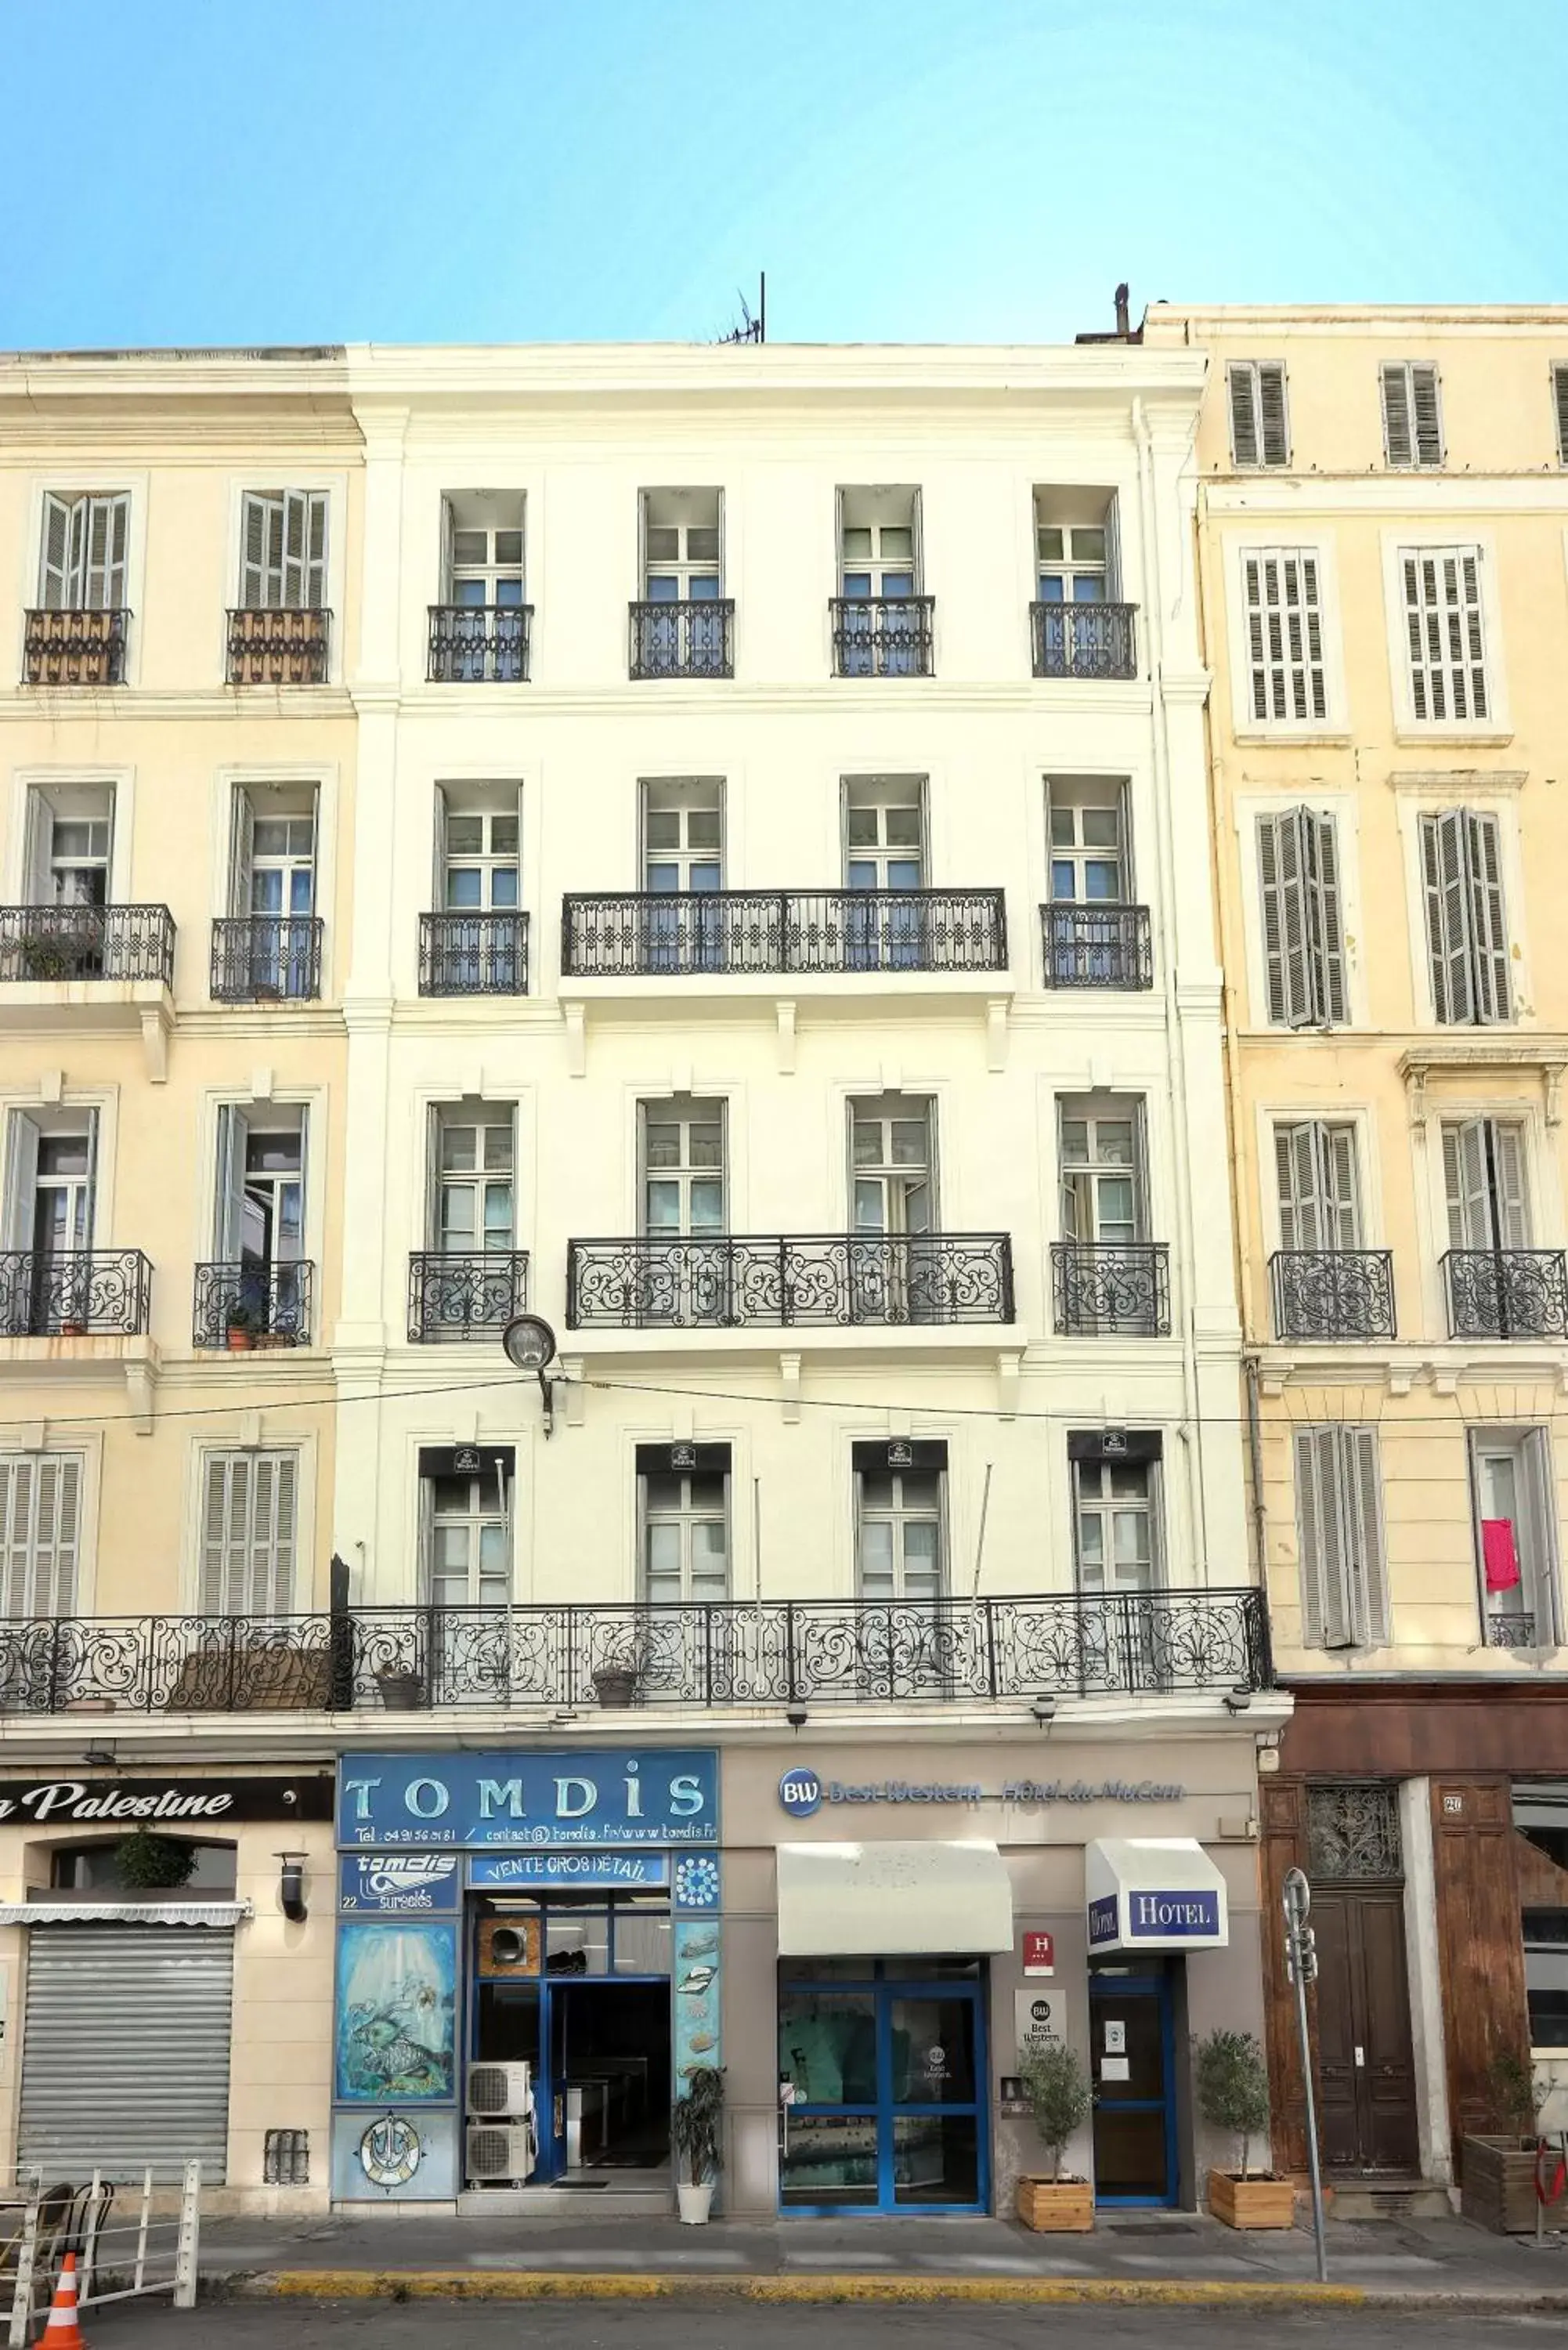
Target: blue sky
x,y
195,172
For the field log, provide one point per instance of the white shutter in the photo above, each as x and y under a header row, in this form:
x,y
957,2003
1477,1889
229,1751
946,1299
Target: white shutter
x,y
437,886
1284,634
54,568
18,1477
1488,923
448,583
1326,1611
1448,915
1427,414
1412,415
261,566
22,1137
37,849
1296,1168
1271,412
316,552
106,527
1399,436
1325,972
1342,1207
234,1133
227,1491
1560,397
1245,437
1513,1212
248,1534
40,1512
1259,432
1467,1184
1446,633
269,1577
242,852
1369,1577
1279,871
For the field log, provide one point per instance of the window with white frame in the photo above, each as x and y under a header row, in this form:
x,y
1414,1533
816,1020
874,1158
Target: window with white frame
x,y
1287,678
683,1508
1484,1185
283,550
1412,415
49,1215
1560,403
40,1532
879,543
273,860
892,1155
465,1513
481,535
1467,929
260,1214
68,844
1314,1168
1303,939
249,1534
83,550
477,835
1339,1522
1100,1154
682,1173
884,832
1444,632
682,835
1115,1506
899,1497
1511,1483
1074,547
682,546
472,1159
1260,432
1089,840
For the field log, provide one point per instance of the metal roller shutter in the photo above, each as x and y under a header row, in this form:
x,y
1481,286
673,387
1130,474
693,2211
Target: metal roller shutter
x,y
125,2060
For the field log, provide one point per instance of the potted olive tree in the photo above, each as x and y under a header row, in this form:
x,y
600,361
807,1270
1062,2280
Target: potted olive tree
x,y
1500,2169
1232,2083
697,2137
1057,2088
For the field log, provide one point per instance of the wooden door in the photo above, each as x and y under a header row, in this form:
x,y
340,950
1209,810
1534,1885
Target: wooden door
x,y
1365,2062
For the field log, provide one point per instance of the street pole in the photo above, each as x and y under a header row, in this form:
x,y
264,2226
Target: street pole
x,y
1300,1965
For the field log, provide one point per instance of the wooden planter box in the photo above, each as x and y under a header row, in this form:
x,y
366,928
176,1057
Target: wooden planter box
x,y
1063,2208
1251,2202
1498,2188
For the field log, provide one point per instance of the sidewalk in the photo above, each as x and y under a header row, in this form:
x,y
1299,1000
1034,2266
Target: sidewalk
x,y
1133,2256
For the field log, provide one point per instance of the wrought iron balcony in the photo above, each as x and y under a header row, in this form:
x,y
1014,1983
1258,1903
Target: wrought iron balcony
x,y
696,639
243,1306
74,647
882,636
480,644
1332,1293
474,954
1509,1631
77,1293
835,1278
709,1654
265,958
1507,1293
278,647
701,933
452,1295
1105,1289
1085,640
60,942
1096,946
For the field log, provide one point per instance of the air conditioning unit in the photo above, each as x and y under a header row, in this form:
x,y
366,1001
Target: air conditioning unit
x,y
500,2153
500,2090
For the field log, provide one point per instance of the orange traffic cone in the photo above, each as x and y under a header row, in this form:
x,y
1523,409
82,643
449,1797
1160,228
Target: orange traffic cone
x,y
62,2332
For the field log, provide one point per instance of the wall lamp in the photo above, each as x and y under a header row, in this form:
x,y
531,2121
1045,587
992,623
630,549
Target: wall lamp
x,y
1237,1700
291,1888
796,1716
529,1344
1045,1711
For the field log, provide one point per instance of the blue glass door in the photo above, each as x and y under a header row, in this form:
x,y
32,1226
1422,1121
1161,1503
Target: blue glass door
x,y
1131,2059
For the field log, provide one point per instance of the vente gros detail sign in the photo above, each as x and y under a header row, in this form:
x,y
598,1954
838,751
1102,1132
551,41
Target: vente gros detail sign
x,y
68,1803
510,1800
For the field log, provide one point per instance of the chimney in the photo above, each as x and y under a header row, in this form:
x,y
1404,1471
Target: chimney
x,y
1124,318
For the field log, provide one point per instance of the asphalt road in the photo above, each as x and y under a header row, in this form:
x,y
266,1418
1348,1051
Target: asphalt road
x,y
750,2325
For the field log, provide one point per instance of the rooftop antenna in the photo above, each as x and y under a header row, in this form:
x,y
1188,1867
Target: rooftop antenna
x,y
753,326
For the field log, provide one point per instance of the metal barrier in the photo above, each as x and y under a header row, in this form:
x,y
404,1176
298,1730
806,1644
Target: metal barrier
x,y
124,2255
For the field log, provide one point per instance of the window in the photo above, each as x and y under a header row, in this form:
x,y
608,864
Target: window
x,y
1314,1163
1511,1484
682,541
1100,1147
1445,633
1483,1178
878,543
682,837
95,1867
69,837
260,1232
893,1163
1285,636
1115,1487
50,1160
476,854
283,559
1560,400
1541,1861
1467,934
473,1206
467,1513
1260,433
1339,1517
899,1509
40,1532
1087,827
249,1532
683,1506
1412,416
682,1151
272,890
82,559
1303,950
1072,560
482,533
883,833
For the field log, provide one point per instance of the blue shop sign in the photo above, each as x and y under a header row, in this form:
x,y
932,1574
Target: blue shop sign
x,y
511,1802
582,1869
1160,1917
399,1884
1104,1922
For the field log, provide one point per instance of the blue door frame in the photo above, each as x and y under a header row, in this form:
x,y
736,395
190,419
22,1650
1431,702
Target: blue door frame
x,y
887,2108
1103,1991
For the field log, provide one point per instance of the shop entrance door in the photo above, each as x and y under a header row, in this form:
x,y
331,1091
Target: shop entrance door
x,y
1131,2060
608,2077
887,2082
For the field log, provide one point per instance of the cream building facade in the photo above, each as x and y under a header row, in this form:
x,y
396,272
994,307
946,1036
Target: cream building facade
x,y
1382,524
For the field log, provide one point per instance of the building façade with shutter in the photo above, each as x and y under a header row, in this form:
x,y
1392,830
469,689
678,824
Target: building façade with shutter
x,y
1382,523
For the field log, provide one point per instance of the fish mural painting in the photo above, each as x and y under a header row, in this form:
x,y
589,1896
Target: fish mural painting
x,y
397,2013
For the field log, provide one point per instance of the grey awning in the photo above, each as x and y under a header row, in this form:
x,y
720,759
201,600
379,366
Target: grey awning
x,y
124,1913
876,1900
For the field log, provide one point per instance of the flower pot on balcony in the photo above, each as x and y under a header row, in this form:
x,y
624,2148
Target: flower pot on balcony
x,y
73,1329
241,1338
1056,2206
401,1692
616,1687
1262,2202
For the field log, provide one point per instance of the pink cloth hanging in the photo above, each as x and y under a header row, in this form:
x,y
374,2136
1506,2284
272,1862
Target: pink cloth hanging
x,y
1499,1554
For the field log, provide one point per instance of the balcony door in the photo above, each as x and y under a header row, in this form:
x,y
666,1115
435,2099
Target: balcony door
x,y
879,565
260,1239
273,886
477,850
1100,1158
82,566
1483,1178
884,856
892,1175
69,843
1315,1164
472,1207
684,1265
50,1188
900,1502
682,860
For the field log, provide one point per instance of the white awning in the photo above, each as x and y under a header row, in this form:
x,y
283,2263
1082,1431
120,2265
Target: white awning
x,y
1154,1893
887,1900
124,1913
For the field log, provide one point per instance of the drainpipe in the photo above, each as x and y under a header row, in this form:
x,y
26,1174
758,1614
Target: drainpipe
x,y
1255,1466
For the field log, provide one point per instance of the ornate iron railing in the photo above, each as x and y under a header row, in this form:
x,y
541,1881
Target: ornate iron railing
x,y
833,1277
1096,946
1085,640
474,954
77,1293
451,1296
700,932
1104,1288
279,647
695,638
245,1305
480,644
1332,1293
1509,1631
74,647
261,958
1507,1293
882,636
56,943
707,1654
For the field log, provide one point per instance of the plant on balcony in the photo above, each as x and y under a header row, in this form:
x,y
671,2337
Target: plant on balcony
x,y
697,2140
1233,2084
1057,2088
150,1864
48,958
240,1328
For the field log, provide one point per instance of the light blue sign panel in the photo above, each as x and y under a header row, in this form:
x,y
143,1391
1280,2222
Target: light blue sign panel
x,y
399,1884
397,2156
397,2013
577,1871
513,1802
